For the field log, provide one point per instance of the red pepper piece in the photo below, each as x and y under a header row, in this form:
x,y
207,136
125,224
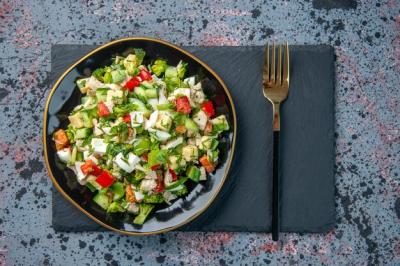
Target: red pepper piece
x,y
208,108
173,174
127,118
102,109
145,75
105,179
132,83
160,185
183,105
154,167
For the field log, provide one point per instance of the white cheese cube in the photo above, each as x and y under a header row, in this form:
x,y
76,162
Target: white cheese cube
x,y
127,164
64,155
79,174
200,118
99,146
152,120
137,118
173,143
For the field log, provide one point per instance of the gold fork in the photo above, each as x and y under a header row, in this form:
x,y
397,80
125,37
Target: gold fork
x,y
275,89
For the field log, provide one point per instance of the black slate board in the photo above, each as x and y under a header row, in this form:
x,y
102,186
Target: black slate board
x,y
307,144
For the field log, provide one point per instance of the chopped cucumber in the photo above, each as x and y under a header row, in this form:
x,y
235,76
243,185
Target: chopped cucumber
x,y
193,173
102,200
151,93
118,190
115,207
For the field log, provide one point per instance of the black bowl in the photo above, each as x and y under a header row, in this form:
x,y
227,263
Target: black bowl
x,y
64,95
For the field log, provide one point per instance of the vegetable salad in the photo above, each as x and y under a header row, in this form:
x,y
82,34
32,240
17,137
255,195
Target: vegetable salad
x,y
140,134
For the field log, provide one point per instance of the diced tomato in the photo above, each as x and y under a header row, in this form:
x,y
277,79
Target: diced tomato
x,y
208,128
61,139
90,168
160,185
154,167
181,129
173,174
102,109
183,105
208,108
127,118
207,164
105,179
132,83
145,157
145,75
96,170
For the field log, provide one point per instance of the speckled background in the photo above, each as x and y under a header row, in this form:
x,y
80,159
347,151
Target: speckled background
x,y
366,36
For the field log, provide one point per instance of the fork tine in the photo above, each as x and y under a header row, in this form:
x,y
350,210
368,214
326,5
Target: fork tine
x,y
285,78
279,68
266,63
273,64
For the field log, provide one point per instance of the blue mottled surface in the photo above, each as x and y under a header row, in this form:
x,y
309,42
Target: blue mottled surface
x,y
366,36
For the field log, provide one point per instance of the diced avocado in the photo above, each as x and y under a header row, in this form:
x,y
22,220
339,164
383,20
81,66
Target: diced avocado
x,y
76,120
82,133
118,190
191,125
102,200
145,210
193,173
208,143
220,124
151,93
153,198
87,120
115,207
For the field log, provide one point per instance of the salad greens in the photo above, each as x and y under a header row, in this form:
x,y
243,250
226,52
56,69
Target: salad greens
x,y
140,134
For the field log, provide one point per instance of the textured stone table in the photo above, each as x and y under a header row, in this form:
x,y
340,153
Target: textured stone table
x,y
366,37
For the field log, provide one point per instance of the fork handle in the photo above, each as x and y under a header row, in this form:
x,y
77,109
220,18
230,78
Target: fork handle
x,y
275,189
